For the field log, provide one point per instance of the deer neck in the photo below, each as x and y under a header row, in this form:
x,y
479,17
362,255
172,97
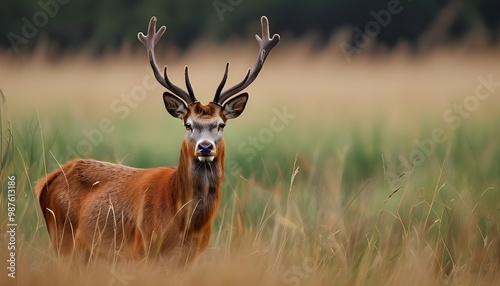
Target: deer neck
x,y
199,186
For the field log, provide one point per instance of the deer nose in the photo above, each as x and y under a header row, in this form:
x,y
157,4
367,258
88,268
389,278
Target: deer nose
x,y
205,147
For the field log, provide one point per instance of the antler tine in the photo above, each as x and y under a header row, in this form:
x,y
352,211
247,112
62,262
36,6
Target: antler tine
x,y
192,98
266,44
221,84
149,41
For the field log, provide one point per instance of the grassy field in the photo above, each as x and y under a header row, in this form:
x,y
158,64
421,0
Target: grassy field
x,y
383,171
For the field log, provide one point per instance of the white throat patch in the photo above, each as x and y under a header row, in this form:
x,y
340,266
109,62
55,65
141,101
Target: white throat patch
x,y
206,158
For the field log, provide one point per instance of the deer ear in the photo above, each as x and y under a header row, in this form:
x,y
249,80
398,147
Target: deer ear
x,y
235,106
176,107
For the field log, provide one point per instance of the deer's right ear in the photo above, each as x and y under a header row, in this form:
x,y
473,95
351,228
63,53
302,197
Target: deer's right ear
x,y
176,107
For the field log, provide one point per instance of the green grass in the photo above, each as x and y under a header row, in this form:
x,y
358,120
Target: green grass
x,y
360,209
347,208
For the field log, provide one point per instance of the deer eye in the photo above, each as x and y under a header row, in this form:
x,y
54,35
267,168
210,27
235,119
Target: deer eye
x,y
221,126
188,127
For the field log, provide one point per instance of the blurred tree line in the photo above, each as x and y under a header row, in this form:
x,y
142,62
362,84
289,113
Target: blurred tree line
x,y
100,25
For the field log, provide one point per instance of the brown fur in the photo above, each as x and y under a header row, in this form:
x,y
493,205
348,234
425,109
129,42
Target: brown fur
x,y
93,207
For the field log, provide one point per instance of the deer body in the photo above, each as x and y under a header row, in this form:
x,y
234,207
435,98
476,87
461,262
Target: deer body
x,y
106,207
93,207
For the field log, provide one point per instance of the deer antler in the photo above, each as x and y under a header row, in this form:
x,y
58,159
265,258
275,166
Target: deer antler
x,y
149,41
266,44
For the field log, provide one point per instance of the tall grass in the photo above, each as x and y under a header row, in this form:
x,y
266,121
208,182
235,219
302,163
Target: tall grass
x,y
325,202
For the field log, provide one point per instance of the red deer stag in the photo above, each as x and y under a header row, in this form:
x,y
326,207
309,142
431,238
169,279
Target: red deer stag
x,y
99,208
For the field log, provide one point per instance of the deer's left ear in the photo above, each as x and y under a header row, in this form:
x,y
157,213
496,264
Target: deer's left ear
x,y
235,106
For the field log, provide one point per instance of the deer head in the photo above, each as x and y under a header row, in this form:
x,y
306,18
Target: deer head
x,y
205,123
